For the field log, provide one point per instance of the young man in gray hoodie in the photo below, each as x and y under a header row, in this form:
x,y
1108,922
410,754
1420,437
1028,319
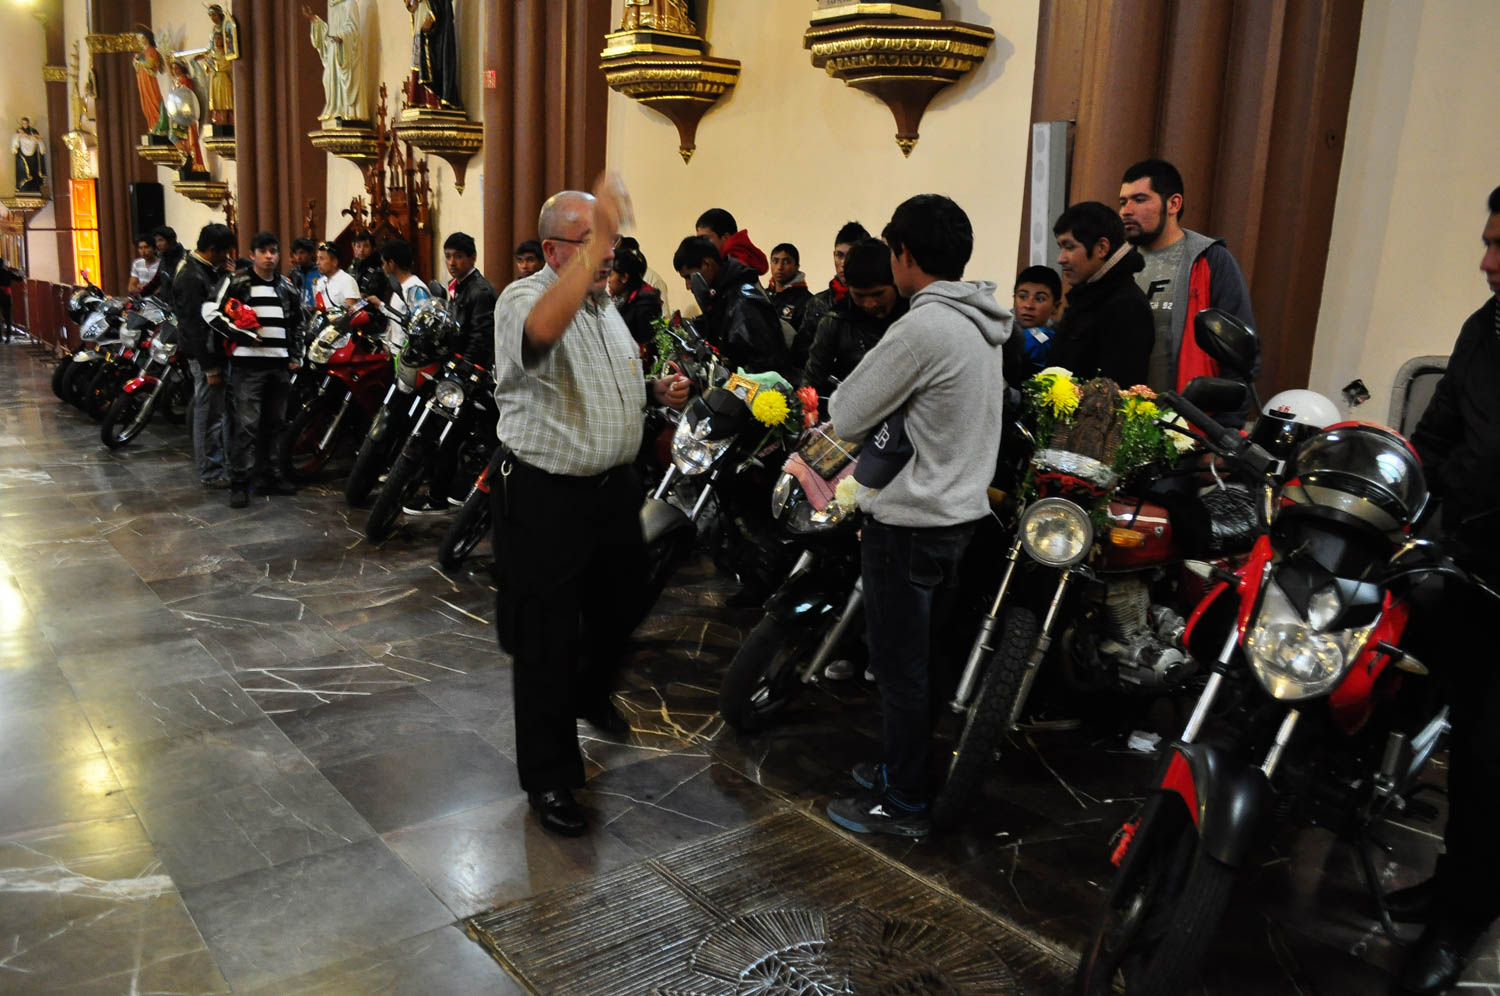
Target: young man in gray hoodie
x,y
941,366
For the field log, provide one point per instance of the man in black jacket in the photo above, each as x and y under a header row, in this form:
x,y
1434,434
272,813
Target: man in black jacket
x,y
1458,439
819,304
471,299
170,252
1107,330
195,282
788,287
857,322
737,315
266,349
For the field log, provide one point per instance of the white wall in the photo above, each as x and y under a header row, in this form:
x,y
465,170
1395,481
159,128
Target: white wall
x,y
23,94
1423,153
387,28
793,153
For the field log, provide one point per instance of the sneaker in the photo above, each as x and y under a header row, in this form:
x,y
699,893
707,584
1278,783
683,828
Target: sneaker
x,y
839,670
869,775
426,505
881,812
239,496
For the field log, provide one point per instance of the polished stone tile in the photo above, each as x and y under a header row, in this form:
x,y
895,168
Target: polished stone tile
x,y
267,926
48,735
484,857
195,764
72,872
439,961
73,791
482,701
81,631
135,714
245,646
425,780
363,727
29,678
250,827
136,660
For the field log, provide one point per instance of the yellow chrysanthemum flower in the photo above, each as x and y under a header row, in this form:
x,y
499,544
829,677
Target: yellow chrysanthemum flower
x,y
769,408
1061,396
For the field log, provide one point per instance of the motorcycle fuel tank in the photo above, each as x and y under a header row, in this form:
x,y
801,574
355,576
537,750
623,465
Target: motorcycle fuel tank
x,y
1140,535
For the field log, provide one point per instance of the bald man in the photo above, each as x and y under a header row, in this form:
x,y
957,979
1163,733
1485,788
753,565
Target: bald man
x,y
569,559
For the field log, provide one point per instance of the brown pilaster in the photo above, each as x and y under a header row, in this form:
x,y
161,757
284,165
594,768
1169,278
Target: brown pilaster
x,y
59,122
120,125
498,108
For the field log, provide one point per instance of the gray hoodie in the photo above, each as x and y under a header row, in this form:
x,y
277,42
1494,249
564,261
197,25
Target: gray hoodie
x,y
943,360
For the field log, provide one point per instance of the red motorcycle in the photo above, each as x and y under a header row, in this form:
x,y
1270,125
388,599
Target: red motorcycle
x,y
356,373
1300,713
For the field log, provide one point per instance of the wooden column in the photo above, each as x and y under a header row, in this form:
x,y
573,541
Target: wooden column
x,y
59,122
498,110
119,120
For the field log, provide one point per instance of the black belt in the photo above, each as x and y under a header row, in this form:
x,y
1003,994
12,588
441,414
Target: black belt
x,y
564,480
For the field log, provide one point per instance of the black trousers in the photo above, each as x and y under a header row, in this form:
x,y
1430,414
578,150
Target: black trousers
x,y
260,393
569,567
910,581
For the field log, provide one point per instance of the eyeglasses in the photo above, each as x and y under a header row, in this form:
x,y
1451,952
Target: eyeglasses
x,y
614,243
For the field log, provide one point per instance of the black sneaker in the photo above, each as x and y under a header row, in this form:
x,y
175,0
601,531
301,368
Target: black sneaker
x,y
869,775
239,496
426,505
881,812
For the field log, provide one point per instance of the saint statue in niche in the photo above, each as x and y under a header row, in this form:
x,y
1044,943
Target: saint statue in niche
x,y
148,63
184,111
434,55
338,45
31,159
220,83
227,28
658,15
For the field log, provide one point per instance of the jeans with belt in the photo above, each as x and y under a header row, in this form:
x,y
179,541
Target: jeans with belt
x,y
910,580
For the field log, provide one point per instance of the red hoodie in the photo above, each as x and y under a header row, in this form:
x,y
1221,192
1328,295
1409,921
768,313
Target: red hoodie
x,y
738,246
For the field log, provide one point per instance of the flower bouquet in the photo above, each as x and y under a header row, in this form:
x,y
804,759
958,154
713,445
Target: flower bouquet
x,y
1118,432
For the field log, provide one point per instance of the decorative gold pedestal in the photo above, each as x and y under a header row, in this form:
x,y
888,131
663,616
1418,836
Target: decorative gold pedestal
x,y
160,155
903,61
356,144
449,135
219,139
24,205
210,192
670,73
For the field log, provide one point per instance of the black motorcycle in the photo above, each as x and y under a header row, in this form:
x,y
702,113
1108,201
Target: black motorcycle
x,y
163,382
419,341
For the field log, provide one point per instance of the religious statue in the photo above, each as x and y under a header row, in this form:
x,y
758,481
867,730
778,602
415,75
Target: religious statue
x,y
31,159
184,111
148,63
658,15
338,45
434,55
226,28
220,83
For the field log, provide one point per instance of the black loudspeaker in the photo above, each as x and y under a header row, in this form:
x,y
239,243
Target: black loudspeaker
x,y
146,211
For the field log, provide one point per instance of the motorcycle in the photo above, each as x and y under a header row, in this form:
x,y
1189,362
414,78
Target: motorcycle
x,y
140,324
1303,641
472,523
450,443
99,320
353,371
82,307
418,341
1112,619
164,380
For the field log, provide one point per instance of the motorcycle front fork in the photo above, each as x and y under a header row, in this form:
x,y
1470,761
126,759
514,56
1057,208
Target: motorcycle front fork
x,y
814,666
1211,691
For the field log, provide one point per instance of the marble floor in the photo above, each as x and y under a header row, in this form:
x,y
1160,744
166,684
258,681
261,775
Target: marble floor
x,y
246,751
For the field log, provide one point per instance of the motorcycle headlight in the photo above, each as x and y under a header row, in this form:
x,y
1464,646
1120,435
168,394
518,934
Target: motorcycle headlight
x,y
93,326
319,352
781,494
691,452
1292,657
129,337
1056,532
450,394
161,352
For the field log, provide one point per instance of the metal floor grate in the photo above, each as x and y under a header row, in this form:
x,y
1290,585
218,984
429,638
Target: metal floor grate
x,y
785,905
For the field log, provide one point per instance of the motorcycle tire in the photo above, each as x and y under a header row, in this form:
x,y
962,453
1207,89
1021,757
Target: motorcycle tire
x,y
1161,913
403,480
59,372
298,453
762,678
988,716
471,526
373,458
178,401
127,418
75,380
104,389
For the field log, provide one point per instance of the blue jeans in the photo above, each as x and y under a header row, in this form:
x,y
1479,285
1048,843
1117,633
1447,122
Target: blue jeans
x,y
207,414
910,579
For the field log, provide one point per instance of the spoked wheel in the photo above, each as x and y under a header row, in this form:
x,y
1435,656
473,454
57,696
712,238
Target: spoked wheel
x,y
1162,911
128,415
306,445
988,717
763,677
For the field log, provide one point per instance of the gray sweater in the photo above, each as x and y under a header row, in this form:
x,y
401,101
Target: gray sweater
x,y
943,361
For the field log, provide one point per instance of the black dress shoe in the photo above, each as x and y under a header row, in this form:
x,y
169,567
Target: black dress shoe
x,y
559,813
1412,904
1437,960
604,717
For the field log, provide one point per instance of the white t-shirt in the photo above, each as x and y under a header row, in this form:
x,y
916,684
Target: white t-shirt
x,y
336,291
413,292
143,271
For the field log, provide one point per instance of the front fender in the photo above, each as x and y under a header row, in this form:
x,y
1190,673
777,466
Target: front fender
x,y
659,519
1224,797
805,594
141,383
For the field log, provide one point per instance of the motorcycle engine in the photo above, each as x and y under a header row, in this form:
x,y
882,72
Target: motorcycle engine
x,y
1143,641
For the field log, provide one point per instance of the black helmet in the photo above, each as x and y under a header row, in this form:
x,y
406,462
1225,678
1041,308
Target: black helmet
x,y
1360,470
430,336
81,302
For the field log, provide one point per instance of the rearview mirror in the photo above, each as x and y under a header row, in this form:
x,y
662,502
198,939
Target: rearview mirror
x,y
1229,341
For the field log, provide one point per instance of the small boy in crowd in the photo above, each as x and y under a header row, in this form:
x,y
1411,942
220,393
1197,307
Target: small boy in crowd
x,y
1038,290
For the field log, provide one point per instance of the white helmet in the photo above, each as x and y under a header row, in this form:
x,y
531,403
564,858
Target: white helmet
x,y
1289,418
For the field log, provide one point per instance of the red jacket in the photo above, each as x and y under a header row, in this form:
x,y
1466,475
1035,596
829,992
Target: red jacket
x,y
1192,361
738,246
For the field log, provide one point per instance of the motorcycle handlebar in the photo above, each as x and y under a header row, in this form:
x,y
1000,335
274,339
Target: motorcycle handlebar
x,y
1222,440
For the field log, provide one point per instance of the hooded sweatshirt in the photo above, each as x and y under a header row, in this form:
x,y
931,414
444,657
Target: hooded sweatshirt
x,y
738,246
943,361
